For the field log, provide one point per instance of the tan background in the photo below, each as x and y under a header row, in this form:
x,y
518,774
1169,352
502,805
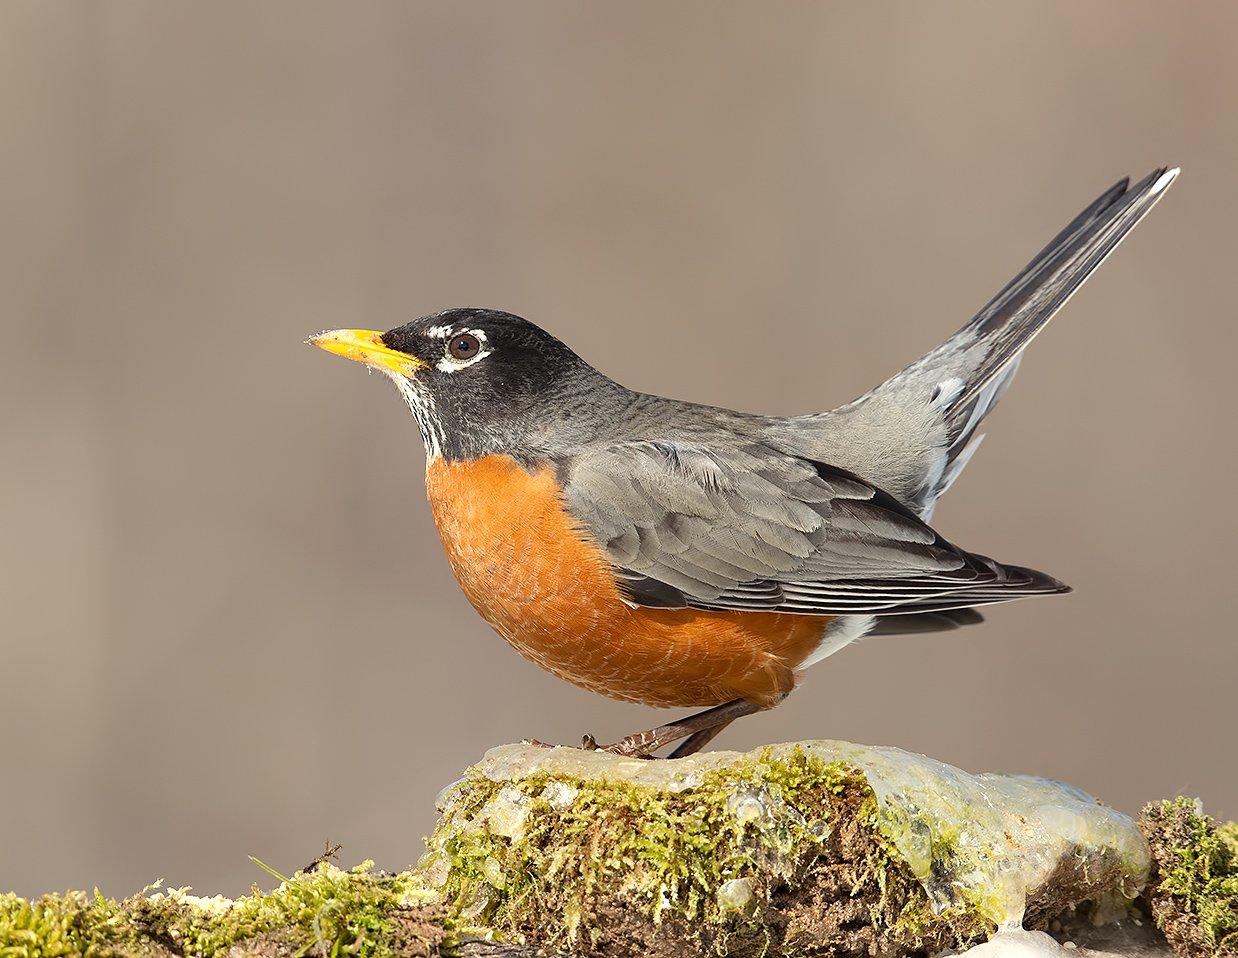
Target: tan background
x,y
227,627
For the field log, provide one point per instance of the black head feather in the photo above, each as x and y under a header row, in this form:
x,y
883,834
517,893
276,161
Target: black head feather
x,y
503,399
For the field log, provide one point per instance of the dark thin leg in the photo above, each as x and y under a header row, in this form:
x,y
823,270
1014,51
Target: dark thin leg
x,y
644,744
697,741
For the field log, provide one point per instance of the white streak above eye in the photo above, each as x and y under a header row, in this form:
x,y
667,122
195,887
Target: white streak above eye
x,y
439,332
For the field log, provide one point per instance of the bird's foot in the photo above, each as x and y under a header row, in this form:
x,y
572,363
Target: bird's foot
x,y
639,745
634,746
692,733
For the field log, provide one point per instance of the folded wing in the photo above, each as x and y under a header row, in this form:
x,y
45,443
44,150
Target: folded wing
x,y
756,529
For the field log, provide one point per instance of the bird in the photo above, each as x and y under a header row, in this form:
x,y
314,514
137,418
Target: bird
x,y
674,554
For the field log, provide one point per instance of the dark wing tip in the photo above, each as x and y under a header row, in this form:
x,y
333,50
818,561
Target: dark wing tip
x,y
1041,583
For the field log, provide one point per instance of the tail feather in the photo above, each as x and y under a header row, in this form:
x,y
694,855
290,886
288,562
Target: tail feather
x,y
919,428
996,336
921,622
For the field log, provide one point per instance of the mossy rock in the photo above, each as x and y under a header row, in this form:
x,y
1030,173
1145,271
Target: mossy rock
x,y
1195,895
810,849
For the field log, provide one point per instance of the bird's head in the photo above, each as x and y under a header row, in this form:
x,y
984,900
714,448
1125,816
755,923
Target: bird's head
x,y
478,380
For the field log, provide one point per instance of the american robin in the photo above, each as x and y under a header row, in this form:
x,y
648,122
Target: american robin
x,y
676,554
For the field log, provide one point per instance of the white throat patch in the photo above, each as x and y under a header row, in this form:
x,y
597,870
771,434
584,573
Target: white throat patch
x,y
424,411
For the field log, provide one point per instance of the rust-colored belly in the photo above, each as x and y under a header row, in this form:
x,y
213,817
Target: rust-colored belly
x,y
549,590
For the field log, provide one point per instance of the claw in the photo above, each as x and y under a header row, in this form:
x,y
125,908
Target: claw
x,y
634,746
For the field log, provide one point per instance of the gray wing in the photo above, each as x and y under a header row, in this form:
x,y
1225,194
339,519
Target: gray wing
x,y
756,529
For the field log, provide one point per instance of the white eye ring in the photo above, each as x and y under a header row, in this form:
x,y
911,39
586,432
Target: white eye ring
x,y
469,339
464,346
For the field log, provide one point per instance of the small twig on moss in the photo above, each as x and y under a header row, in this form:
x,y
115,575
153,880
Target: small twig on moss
x,y
330,853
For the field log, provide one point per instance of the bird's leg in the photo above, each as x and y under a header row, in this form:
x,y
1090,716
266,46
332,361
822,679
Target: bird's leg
x,y
698,740
644,744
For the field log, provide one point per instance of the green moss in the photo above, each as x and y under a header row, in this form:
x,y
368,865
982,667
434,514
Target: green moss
x,y
1195,897
328,911
825,848
671,850
515,855
52,926
539,855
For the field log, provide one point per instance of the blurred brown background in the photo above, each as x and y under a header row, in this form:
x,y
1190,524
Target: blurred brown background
x,y
227,625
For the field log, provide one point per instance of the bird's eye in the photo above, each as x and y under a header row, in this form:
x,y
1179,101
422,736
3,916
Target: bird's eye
x,y
464,346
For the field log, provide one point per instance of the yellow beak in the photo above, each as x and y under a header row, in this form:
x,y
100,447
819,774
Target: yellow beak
x,y
366,346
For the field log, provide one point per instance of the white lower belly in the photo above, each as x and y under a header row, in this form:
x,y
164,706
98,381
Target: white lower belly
x,y
841,632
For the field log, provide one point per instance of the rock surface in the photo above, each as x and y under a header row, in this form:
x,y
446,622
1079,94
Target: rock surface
x,y
792,848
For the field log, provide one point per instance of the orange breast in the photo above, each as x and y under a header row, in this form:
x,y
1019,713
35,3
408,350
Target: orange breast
x,y
549,590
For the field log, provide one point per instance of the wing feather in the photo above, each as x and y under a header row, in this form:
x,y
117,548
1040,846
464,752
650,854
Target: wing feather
x,y
754,528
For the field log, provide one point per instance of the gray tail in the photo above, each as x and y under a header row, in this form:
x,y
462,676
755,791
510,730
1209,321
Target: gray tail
x,y
964,377
998,333
921,622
